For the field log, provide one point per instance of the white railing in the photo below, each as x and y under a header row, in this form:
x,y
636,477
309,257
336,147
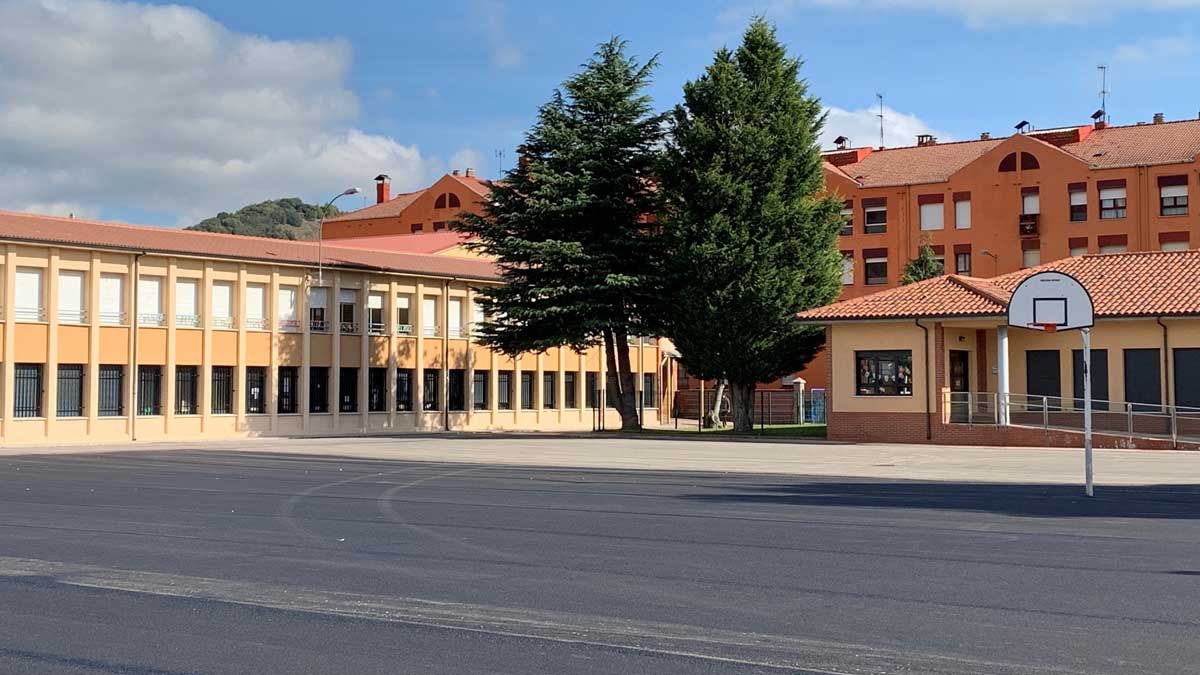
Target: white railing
x,y
431,331
404,328
223,322
456,332
259,323
112,318
187,320
148,319
29,313
377,328
72,315
289,325
349,326
318,325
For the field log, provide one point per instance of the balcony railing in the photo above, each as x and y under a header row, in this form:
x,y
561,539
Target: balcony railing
x,y
290,325
431,331
187,320
404,328
72,316
376,328
29,314
112,318
1027,223
349,327
150,319
456,331
257,323
223,322
318,325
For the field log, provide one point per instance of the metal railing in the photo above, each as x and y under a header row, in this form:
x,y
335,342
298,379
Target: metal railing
x,y
290,325
404,329
72,315
259,323
318,325
223,322
431,331
112,318
349,326
377,328
29,313
187,320
150,319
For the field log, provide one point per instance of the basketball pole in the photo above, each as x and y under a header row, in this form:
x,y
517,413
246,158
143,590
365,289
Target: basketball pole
x,y
1087,411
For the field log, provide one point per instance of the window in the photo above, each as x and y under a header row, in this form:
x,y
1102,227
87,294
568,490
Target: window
x,y
933,212
318,302
289,388
222,304
504,385
375,313
883,373
149,302
404,389
454,309
403,315
1031,257
1078,246
318,389
1114,248
112,391
1099,378
256,390
70,390
456,385
286,308
962,210
526,390
430,390
648,394
187,380
377,390
429,318
847,268
591,386
440,202
477,317
439,225
29,296
348,390
112,299
1181,245
480,392
1143,384
187,313
1113,243
874,216
876,269
1030,201
1173,195
847,218
570,393
962,263
1009,163
548,390
454,202
1029,162
1077,196
28,386
256,307
1112,199
72,299
149,398
222,390
416,227
1186,367
347,309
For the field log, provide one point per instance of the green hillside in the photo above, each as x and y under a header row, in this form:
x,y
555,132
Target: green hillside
x,y
288,218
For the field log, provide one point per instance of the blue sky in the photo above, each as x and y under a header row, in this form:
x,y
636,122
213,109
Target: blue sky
x,y
163,114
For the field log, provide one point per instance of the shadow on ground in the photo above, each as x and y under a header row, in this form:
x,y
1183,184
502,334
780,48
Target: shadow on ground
x,y
1034,501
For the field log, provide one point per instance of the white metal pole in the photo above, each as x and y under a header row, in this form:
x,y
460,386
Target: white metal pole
x,y
1087,411
1002,374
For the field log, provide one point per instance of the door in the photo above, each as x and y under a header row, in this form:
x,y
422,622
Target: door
x,y
1043,378
1143,385
960,385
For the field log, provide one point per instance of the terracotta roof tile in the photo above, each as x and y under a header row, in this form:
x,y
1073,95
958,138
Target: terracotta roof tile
x,y
944,296
917,164
423,242
32,228
1141,144
389,209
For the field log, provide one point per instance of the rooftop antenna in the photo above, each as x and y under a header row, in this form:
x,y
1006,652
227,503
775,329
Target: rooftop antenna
x,y
500,161
1104,89
880,116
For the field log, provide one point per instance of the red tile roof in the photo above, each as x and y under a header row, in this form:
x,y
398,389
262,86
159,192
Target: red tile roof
x,y
50,230
1140,284
389,209
1139,145
423,242
916,164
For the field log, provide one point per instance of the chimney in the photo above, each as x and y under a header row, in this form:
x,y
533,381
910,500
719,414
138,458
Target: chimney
x,y
383,188
454,172
841,143
985,136
470,172
1159,118
926,139
1100,124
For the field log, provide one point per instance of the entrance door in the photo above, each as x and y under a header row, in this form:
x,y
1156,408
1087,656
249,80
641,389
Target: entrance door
x,y
960,385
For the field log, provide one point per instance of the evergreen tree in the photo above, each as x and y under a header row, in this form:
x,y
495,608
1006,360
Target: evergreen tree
x,y
924,266
568,227
288,218
751,234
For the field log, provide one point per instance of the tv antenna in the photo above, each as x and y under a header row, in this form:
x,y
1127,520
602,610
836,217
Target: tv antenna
x,y
880,116
499,154
1104,92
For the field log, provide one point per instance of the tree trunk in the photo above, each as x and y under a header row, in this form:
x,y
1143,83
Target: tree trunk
x,y
620,379
743,407
712,420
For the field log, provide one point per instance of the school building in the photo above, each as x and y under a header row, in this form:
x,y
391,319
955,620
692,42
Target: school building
x,y
114,332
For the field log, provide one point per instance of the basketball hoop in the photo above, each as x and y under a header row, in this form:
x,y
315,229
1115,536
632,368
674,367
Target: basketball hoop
x,y
1044,327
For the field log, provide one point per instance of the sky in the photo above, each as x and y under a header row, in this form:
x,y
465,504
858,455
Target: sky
x,y
165,114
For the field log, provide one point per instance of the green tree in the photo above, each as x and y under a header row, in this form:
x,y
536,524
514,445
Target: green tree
x,y
567,226
751,234
288,218
924,266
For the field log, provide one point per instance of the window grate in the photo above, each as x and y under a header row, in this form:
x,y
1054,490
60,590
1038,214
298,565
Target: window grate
x,y
222,390
289,384
28,390
70,390
112,391
186,390
149,390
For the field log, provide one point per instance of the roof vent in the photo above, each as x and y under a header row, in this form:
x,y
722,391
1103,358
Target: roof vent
x,y
985,136
1159,118
841,142
470,172
454,172
926,139
1021,126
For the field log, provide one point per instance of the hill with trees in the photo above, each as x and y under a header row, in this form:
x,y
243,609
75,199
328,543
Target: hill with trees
x,y
288,218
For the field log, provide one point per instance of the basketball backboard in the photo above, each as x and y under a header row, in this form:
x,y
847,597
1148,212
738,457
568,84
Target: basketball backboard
x,y
1050,301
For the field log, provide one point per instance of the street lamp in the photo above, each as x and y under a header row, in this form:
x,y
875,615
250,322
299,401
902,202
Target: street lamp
x,y
321,232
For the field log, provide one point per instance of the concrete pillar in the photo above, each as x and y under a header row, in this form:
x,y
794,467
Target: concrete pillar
x,y
1002,374
91,378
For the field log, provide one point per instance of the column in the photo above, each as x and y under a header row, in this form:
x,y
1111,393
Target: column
x,y
204,386
417,307
168,371
1002,374
305,353
364,355
390,325
50,374
334,385
10,341
91,379
239,376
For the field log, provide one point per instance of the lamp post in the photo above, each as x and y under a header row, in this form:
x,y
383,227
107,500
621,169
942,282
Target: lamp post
x,y
321,233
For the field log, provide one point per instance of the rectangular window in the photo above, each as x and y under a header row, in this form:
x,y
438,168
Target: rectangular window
x,y
933,212
454,308
847,218
70,390
72,298
187,303
1077,197
149,395
1173,199
480,393
1113,243
1112,199
962,211
504,387
874,219
847,268
112,299
375,313
1099,378
29,295
187,390
318,389
883,373
1114,248
1031,257
222,390
1043,378
526,390
456,385
549,380
377,390
591,386
1030,201
570,393
403,315
430,389
1173,246
149,301
112,391
1078,246
318,307
877,272
256,307
28,385
429,317
1143,384
962,263
348,390
286,308
477,317
649,399
289,390
416,227
222,304
1186,364
256,390
348,310
404,389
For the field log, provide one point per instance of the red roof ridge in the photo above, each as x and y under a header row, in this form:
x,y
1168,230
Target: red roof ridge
x,y
153,228
981,287
1135,125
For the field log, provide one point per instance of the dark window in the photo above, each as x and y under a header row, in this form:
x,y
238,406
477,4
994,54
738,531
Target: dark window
x,y
1029,162
875,220
456,385
570,397
377,390
187,385
28,384
548,390
375,319
256,390
962,263
70,390
884,373
404,389
481,389
1043,378
289,387
416,227
222,390
346,311
1143,385
527,390
318,389
316,318
348,390
440,202
1009,163
430,390
454,202
1113,206
1187,378
876,271
149,398
591,385
112,391
1099,378
847,218
1077,198
1173,206
648,394
504,386
439,225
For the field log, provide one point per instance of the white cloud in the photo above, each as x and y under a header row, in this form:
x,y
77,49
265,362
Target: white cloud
x,y
493,23
862,127
468,158
162,109
1155,50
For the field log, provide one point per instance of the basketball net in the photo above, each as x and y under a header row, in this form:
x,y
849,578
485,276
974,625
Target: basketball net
x,y
1045,327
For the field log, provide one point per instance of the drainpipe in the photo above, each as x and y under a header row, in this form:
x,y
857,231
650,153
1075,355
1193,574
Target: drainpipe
x,y
1166,378
928,412
133,367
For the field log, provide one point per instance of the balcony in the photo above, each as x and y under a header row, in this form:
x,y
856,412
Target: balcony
x,y
187,320
349,327
29,314
404,329
72,316
318,325
223,322
150,319
256,323
1027,224
112,318
377,328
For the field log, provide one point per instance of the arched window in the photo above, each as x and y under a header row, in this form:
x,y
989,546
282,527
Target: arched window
x,y
441,201
1029,162
1009,163
454,203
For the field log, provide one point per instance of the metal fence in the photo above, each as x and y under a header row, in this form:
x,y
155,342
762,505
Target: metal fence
x,y
771,406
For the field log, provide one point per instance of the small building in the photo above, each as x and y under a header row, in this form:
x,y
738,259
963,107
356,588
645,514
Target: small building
x,y
935,362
